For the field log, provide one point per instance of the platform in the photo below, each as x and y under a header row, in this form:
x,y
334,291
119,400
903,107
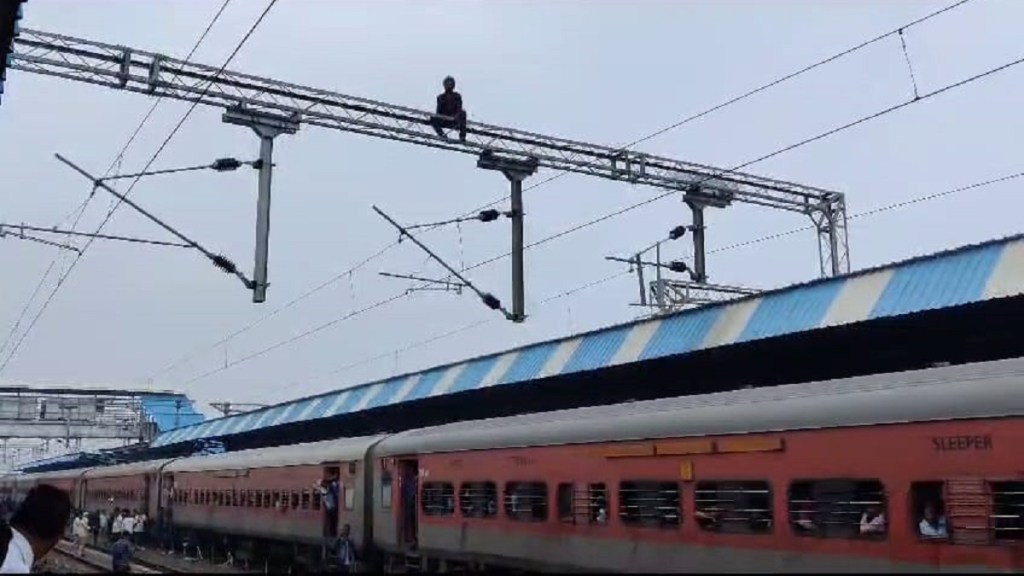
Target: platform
x,y
821,329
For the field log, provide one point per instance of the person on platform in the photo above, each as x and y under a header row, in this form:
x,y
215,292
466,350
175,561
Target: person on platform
x,y
117,525
80,528
346,550
36,527
128,525
121,554
450,113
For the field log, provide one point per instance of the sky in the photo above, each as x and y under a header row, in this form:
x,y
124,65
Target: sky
x,y
597,71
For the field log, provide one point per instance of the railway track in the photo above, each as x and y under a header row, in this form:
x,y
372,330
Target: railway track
x,y
96,561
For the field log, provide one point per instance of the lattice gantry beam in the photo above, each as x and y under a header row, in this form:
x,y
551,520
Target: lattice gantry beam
x,y
150,73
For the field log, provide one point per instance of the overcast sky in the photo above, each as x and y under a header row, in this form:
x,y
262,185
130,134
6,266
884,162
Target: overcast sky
x,y
605,72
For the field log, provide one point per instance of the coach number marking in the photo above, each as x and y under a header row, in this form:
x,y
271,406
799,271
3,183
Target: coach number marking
x,y
956,443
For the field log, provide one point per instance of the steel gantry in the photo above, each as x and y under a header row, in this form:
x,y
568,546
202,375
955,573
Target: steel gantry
x,y
259,102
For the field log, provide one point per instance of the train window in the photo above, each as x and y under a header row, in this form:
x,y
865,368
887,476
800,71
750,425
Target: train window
x,y
349,497
305,499
316,499
1007,518
526,501
928,510
650,504
734,507
385,491
437,499
584,505
236,498
838,508
268,499
295,500
478,499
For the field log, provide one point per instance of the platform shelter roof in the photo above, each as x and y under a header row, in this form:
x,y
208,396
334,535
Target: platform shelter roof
x,y
965,275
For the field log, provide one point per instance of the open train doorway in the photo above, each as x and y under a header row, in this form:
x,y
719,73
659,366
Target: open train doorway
x,y
408,482
329,488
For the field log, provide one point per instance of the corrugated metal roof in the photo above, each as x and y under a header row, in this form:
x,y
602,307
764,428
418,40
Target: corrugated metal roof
x,y
170,411
974,273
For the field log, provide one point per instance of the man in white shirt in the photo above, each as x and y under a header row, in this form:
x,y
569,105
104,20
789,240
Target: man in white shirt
x,y
118,525
128,525
35,528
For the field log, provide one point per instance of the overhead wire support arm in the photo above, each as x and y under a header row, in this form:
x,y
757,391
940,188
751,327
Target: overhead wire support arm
x,y
434,284
5,228
23,236
154,74
218,260
219,165
487,298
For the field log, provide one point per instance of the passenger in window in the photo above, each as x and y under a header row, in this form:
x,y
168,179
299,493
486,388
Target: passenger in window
x,y
872,522
932,524
804,523
706,519
602,516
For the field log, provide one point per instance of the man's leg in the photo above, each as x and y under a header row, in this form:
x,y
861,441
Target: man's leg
x,y
438,123
460,120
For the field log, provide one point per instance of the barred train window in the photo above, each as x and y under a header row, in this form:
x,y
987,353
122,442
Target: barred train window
x,y
836,508
586,504
734,507
650,504
295,500
478,499
526,501
305,499
437,499
1007,510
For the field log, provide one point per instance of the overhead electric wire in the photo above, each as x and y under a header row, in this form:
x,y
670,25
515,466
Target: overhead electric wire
x,y
777,152
117,160
678,124
110,213
873,211
465,327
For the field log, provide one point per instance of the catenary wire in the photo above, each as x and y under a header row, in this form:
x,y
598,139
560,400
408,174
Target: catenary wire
x,y
464,328
734,100
80,210
777,152
131,187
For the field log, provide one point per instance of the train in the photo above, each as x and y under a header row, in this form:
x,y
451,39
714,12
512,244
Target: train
x,y
773,479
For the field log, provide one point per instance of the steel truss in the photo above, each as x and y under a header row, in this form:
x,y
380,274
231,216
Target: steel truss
x,y
154,74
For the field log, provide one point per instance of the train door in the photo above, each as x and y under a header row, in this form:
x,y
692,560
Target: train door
x,y
408,484
331,500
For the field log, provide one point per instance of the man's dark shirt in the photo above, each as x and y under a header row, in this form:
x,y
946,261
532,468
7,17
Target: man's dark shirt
x,y
121,553
449,103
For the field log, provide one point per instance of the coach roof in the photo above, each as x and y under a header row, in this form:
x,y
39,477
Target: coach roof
x,y
990,389
313,453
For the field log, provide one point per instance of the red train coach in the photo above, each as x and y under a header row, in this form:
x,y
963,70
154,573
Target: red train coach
x,y
763,480
124,486
269,496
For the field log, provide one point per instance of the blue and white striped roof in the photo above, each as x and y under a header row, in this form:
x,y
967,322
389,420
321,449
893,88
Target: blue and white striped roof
x,y
969,274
